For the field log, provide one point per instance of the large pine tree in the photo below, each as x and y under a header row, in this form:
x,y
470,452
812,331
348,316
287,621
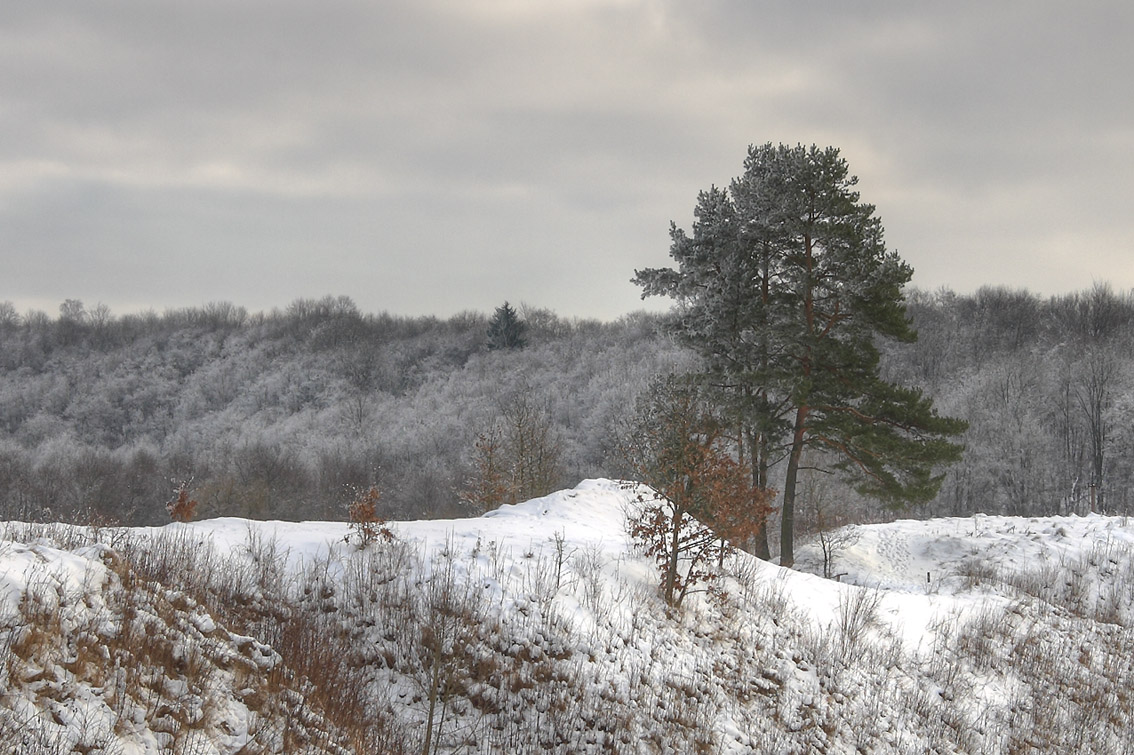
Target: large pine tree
x,y
784,287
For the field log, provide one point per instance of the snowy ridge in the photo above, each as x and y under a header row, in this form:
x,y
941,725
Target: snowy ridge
x,y
537,628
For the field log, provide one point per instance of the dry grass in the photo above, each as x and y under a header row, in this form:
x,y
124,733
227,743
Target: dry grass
x,y
374,651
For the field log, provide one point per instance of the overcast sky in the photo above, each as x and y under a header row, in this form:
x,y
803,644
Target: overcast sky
x,y
433,156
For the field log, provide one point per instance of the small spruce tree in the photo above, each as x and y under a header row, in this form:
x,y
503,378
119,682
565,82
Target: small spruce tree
x,y
506,329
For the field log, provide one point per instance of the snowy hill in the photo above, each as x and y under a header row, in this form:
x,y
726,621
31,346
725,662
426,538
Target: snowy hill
x,y
538,628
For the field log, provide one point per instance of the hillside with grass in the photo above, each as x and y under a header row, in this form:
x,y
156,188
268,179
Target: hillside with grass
x,y
538,628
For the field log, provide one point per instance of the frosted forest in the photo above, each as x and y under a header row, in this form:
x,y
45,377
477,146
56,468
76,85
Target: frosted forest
x,y
282,414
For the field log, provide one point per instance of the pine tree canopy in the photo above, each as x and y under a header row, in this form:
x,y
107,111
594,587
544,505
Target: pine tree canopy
x,y
784,286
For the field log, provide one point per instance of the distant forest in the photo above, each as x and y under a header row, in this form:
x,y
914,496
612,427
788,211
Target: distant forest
x,y
287,414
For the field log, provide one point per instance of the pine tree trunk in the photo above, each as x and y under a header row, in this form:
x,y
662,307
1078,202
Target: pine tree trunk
x,y
760,439
760,540
760,482
787,519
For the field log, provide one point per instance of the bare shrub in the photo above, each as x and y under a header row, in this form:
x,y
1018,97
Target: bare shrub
x,y
857,614
181,507
588,566
700,497
365,524
833,528
174,609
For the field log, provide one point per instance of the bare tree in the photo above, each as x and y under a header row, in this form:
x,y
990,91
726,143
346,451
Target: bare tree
x,y
517,457
701,497
1093,394
832,524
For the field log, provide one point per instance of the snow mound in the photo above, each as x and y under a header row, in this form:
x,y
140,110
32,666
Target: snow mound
x,y
538,628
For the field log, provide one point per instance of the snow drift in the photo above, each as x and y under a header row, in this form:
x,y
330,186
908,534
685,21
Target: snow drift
x,y
537,627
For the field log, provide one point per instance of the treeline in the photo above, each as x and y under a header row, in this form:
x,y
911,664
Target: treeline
x,y
287,414
1047,388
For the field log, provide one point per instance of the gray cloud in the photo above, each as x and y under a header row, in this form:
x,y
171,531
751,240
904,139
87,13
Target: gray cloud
x,y
434,156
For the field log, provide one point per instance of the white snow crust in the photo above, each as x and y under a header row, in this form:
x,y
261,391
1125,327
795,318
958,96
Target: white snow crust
x,y
781,663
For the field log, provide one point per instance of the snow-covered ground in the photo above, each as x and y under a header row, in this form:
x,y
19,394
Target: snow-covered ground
x,y
538,627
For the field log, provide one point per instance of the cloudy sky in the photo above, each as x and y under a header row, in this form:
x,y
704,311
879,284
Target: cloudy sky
x,y
433,156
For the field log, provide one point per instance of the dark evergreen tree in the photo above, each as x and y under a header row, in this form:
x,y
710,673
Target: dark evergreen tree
x,y
784,287
506,330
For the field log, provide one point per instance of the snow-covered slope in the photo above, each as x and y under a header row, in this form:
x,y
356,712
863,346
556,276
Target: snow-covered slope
x,y
538,628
